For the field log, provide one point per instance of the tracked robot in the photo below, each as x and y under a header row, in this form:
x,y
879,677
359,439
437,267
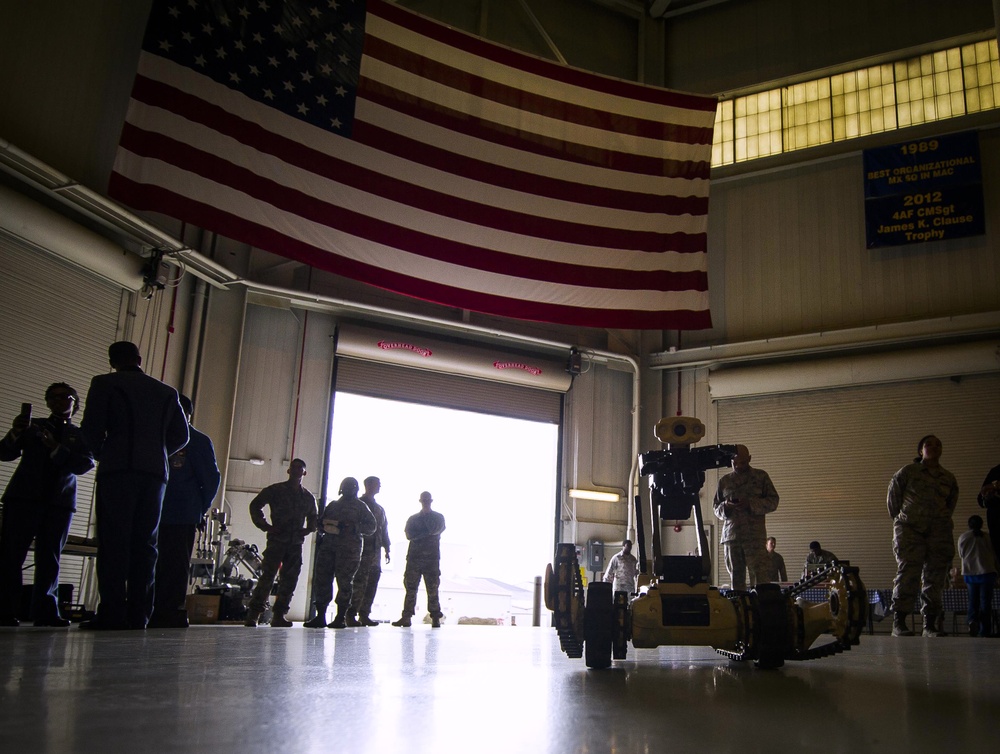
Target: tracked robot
x,y
676,604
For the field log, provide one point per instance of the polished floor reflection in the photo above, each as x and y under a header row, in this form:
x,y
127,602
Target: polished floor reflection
x,y
478,689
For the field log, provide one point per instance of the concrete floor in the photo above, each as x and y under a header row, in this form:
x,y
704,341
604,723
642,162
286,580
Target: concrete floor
x,y
478,689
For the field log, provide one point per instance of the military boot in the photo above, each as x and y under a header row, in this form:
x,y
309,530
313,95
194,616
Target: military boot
x,y
318,621
365,620
899,625
435,623
352,619
403,622
252,617
279,621
338,620
931,627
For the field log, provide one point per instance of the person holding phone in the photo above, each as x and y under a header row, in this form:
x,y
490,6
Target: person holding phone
x,y
39,502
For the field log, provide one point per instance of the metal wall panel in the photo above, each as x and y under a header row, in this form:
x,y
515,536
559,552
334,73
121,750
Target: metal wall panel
x,y
597,452
401,383
788,256
282,411
265,397
58,322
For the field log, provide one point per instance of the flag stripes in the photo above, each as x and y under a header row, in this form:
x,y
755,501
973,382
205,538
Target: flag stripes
x,y
474,176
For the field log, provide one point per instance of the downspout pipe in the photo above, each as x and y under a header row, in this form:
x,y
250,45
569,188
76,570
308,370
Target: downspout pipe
x,y
199,300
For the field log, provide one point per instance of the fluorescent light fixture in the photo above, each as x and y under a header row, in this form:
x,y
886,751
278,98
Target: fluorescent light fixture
x,y
604,497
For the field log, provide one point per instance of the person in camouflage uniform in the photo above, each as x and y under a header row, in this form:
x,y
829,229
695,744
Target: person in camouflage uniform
x,y
742,499
293,516
775,562
370,570
921,500
817,558
623,569
423,560
345,522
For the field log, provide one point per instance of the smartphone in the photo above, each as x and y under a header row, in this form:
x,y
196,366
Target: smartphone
x,y
26,410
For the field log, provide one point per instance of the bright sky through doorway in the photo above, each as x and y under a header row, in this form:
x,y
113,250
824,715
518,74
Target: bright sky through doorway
x,y
493,478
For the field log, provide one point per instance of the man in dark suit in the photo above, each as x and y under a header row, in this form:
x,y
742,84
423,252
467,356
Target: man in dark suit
x,y
194,480
133,423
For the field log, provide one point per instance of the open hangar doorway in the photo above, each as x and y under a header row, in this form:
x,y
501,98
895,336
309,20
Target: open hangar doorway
x,y
488,451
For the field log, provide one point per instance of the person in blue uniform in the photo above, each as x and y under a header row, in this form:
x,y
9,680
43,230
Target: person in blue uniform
x,y
194,480
133,423
39,503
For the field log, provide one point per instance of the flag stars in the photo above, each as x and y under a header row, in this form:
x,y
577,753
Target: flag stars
x,y
285,59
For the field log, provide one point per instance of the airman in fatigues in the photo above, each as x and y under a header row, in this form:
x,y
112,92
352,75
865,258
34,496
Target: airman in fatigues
x,y
293,516
921,500
370,570
623,570
742,499
423,560
817,558
345,523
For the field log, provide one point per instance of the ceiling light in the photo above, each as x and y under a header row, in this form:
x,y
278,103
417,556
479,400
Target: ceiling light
x,y
604,497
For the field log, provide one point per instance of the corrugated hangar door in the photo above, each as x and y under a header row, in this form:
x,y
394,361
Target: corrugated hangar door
x,y
468,377
58,321
831,454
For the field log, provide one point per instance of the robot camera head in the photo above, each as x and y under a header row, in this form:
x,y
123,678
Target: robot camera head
x,y
679,430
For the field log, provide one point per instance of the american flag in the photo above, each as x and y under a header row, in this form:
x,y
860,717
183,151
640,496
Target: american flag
x,y
367,140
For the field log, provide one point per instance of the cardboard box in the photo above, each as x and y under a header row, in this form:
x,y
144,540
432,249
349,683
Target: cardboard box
x,y
203,608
